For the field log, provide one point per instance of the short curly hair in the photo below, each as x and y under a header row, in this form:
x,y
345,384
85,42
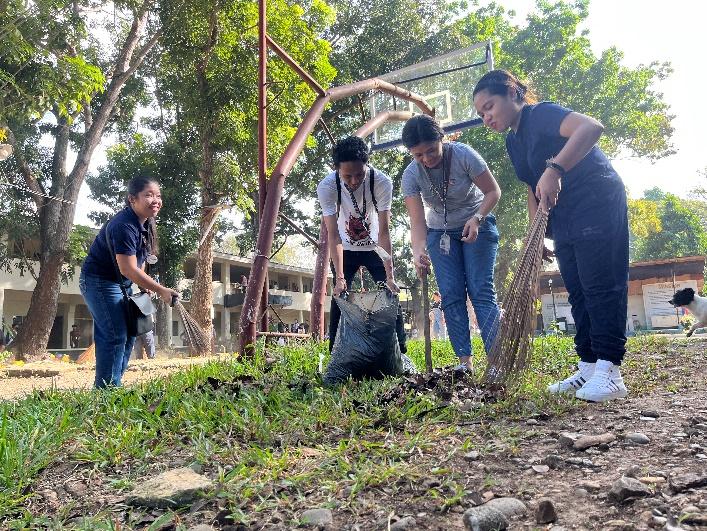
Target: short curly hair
x,y
421,128
351,148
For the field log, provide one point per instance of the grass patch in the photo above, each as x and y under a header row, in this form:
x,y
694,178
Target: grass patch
x,y
269,432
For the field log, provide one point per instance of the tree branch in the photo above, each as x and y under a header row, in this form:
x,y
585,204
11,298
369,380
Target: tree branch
x,y
29,178
142,53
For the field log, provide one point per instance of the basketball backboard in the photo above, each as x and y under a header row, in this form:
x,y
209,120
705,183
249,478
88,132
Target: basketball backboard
x,y
446,83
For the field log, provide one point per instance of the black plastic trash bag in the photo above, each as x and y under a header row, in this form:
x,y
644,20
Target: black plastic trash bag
x,y
366,342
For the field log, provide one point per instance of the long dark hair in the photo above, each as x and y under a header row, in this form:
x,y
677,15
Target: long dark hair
x,y
498,82
136,185
421,128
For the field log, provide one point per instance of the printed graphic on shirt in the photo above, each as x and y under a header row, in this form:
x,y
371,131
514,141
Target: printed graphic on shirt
x,y
357,231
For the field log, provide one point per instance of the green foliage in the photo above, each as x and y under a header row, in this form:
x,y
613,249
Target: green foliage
x,y
43,66
681,231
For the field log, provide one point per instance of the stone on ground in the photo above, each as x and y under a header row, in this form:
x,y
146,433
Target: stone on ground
x,y
173,488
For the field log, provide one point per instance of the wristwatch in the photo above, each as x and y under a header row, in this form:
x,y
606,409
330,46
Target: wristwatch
x,y
480,218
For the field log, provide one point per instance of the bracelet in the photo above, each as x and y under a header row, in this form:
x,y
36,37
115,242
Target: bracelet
x,y
549,163
340,278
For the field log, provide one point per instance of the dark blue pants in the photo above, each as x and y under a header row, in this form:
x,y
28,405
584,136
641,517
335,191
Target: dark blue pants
x,y
591,246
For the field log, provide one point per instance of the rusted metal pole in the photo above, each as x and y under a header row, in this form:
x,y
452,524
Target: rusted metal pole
x,y
301,72
379,119
316,308
275,186
263,139
299,229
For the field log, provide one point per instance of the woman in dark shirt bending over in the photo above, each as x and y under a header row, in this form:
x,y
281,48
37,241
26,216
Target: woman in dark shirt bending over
x,y
553,150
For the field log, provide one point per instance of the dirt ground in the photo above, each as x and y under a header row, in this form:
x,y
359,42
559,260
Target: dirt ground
x,y
526,458
18,381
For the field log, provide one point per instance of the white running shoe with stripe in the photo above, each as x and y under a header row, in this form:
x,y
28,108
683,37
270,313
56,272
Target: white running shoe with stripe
x,y
601,387
569,385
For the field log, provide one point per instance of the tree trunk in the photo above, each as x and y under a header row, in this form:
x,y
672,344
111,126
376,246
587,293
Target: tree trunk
x,y
316,309
57,218
163,325
55,224
202,290
31,341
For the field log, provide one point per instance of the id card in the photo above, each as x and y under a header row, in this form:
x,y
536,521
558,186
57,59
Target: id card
x,y
445,244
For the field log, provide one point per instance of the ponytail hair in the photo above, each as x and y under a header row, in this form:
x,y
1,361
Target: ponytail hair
x,y
136,185
502,83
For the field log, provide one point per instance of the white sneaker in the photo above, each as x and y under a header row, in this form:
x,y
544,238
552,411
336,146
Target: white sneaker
x,y
601,387
569,385
464,367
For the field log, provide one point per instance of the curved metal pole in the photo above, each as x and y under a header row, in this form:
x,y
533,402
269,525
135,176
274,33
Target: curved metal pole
x,y
275,188
381,118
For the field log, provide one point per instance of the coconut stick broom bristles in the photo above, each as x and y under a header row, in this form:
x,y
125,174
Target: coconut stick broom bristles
x,y
198,340
510,352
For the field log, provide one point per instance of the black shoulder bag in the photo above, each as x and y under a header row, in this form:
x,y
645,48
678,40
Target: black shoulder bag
x,y
138,307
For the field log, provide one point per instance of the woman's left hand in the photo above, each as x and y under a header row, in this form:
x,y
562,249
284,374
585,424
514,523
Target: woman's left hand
x,y
471,231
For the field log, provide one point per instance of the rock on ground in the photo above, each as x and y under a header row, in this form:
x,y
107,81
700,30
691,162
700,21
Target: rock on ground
x,y
173,488
545,513
494,514
317,517
626,488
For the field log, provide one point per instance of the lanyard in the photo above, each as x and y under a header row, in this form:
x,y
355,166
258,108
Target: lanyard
x,y
362,214
445,183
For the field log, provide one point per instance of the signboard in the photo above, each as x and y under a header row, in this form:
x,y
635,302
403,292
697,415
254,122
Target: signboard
x,y
562,309
659,312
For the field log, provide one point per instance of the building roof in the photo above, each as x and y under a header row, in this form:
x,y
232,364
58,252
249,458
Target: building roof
x,y
273,266
664,269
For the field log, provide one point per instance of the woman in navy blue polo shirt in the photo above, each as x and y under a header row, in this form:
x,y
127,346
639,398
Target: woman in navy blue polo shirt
x,y
553,150
133,235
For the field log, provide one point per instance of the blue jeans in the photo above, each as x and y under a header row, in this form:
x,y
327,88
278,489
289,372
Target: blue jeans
x,y
110,330
467,270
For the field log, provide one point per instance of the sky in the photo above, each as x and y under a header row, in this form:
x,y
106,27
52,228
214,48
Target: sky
x,y
645,31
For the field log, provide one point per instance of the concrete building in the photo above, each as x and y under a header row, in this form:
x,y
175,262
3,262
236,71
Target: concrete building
x,y
290,298
651,284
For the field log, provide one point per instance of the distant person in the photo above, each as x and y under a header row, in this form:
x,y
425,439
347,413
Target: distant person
x,y
554,152
439,327
133,236
74,336
356,200
147,342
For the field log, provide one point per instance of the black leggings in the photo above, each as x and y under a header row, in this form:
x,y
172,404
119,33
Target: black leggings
x,y
353,260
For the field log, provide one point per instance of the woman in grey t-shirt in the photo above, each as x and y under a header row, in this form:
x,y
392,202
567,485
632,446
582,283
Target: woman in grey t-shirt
x,y
449,194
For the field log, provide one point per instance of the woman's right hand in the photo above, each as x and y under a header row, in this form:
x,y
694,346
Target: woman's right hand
x,y
340,286
422,263
166,294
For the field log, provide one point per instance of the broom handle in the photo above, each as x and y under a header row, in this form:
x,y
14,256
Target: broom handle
x,y
426,328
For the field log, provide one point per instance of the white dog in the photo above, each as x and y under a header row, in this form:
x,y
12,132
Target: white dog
x,y
687,298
